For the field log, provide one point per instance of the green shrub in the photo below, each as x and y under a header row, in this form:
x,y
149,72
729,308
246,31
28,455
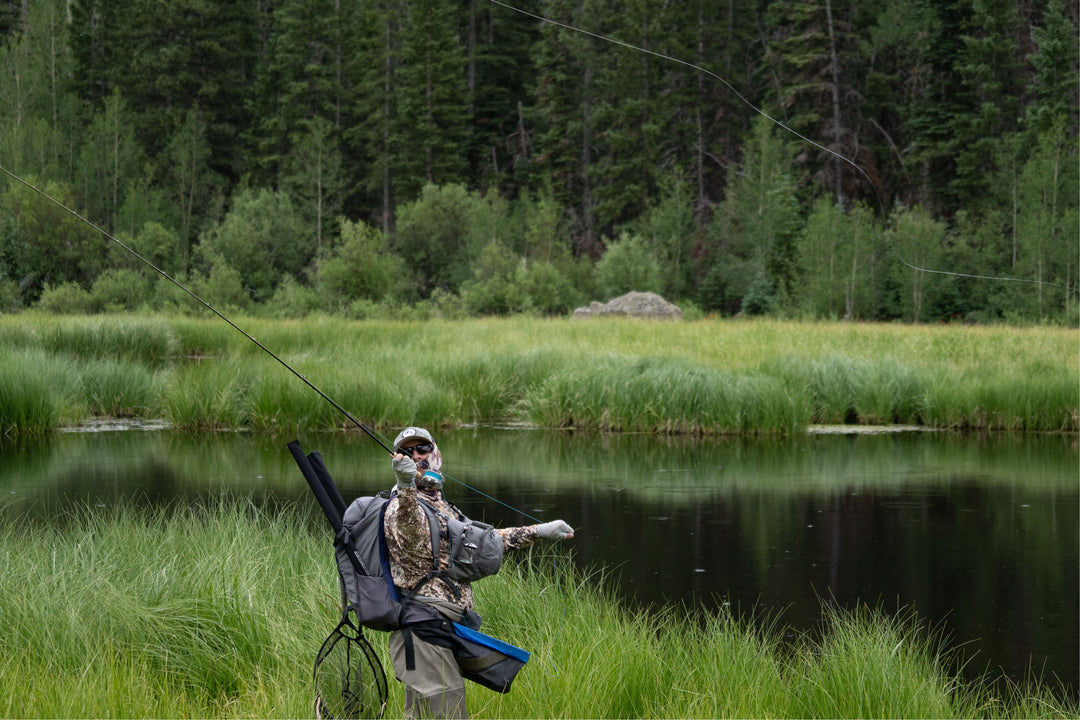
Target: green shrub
x,y
291,300
547,290
262,238
223,289
494,289
9,295
361,267
628,264
120,289
67,298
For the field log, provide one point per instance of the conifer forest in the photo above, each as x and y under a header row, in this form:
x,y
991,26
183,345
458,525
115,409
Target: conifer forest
x,y
880,160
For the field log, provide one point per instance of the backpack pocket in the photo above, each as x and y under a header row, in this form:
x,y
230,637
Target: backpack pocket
x,y
476,550
369,596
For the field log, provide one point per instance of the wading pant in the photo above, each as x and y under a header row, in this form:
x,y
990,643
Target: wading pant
x,y
434,688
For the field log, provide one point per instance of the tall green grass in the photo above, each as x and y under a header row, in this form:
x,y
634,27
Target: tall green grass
x,y
619,393
218,611
145,340
117,613
121,388
37,390
703,377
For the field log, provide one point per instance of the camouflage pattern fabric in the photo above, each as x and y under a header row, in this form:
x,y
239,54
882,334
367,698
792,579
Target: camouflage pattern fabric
x,y
408,541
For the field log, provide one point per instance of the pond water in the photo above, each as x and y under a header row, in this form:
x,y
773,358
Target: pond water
x,y
977,535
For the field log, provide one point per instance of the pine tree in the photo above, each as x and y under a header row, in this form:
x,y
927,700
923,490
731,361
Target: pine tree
x,y
11,17
368,133
1056,77
430,125
304,77
896,48
754,230
724,40
625,100
93,46
991,85
813,52
500,76
563,114
167,58
932,105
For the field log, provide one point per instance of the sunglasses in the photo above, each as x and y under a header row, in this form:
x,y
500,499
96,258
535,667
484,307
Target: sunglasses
x,y
422,448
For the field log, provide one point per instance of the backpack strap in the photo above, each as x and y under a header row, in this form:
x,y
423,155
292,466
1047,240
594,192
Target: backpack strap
x,y
384,555
433,516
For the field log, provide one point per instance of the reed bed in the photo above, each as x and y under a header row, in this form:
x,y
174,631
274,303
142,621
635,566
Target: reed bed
x,y
709,377
146,340
218,610
36,391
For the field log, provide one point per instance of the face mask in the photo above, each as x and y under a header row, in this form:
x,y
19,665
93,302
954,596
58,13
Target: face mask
x,y
433,461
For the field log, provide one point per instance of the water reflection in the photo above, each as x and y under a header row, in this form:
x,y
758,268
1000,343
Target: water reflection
x,y
978,534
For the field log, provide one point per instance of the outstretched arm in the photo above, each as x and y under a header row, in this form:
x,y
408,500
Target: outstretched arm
x,y
519,537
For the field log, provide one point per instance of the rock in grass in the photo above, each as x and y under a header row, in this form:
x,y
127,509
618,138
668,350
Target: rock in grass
x,y
634,304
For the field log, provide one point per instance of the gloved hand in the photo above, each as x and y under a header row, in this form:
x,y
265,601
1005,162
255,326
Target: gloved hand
x,y
405,469
555,530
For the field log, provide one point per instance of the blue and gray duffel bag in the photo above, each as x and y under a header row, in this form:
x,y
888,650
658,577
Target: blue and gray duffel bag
x,y
482,658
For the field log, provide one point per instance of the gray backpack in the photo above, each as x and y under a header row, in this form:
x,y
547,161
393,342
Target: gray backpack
x,y
368,588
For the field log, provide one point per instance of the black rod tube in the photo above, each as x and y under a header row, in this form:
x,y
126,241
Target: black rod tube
x,y
327,505
327,482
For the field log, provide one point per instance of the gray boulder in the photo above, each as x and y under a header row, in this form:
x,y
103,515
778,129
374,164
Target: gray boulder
x,y
633,304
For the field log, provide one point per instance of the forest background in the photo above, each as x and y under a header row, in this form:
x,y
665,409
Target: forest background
x,y
420,158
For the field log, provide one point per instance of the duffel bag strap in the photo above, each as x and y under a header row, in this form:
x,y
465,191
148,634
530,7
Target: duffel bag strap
x,y
410,653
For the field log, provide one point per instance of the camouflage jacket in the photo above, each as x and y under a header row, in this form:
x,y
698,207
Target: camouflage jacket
x,y
408,542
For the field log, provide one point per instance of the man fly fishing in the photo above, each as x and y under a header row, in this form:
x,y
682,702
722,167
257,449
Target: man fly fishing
x,y
434,684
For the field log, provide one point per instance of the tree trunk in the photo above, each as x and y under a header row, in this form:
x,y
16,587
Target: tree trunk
x,y
387,199
586,162
521,134
699,159
834,71
470,69
429,95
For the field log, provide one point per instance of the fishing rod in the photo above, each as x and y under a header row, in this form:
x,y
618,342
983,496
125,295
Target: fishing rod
x,y
370,433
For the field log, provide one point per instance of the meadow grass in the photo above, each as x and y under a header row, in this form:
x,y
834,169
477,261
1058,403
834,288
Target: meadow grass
x,y
713,377
218,610
146,340
37,391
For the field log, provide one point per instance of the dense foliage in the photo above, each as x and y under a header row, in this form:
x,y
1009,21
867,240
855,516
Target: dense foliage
x,y
467,158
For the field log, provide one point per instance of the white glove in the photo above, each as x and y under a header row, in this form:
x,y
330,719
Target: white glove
x,y
555,530
405,469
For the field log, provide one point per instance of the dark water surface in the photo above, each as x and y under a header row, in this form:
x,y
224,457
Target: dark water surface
x,y
977,535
